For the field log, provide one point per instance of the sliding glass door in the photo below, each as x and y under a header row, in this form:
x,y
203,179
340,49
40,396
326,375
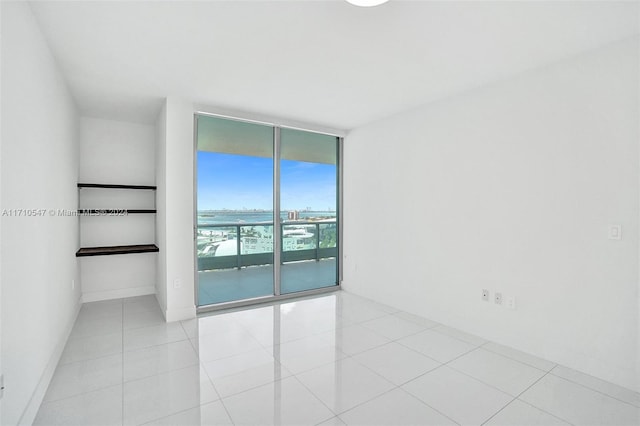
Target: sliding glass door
x,y
267,210
235,210
308,197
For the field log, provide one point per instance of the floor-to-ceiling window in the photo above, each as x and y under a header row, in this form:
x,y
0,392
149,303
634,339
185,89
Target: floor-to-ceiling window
x,y
267,210
308,195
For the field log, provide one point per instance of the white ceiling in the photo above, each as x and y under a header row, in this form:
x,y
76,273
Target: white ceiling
x,y
322,62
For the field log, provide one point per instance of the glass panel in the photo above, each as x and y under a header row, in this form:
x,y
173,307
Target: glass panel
x,y
308,200
235,210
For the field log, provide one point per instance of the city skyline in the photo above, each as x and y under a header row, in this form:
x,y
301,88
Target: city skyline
x,y
241,182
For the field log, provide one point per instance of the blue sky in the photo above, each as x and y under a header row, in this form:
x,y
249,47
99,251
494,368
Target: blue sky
x,y
229,181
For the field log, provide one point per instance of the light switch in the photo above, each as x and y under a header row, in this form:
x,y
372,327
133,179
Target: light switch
x,y
615,232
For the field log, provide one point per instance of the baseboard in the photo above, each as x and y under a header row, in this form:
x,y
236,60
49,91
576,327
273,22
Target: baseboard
x,y
171,315
626,378
30,412
162,305
95,296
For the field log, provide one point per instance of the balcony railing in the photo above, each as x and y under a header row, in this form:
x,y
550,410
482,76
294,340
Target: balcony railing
x,y
226,246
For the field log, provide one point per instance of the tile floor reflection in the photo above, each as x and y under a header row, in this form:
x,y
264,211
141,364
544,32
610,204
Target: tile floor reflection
x,y
334,359
226,285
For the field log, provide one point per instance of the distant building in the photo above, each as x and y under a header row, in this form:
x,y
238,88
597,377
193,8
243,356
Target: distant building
x,y
293,215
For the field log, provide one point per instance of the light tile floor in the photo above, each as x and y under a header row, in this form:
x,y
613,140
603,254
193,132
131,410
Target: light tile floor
x,y
332,360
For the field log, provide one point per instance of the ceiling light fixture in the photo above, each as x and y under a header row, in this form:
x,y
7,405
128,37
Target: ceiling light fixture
x,y
367,3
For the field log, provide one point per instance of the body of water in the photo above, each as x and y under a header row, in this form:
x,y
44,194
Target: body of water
x,y
220,217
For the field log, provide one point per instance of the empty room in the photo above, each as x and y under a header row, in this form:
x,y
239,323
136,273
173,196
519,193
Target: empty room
x,y
320,212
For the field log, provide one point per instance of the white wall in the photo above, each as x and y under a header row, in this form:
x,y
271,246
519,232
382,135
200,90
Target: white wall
x,y
510,187
116,152
119,153
1,205
176,267
39,171
161,203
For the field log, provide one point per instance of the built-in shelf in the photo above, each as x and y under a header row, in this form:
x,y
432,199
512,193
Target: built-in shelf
x,y
111,250
122,249
114,186
114,212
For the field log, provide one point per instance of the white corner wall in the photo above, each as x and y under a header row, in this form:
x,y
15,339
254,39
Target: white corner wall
x,y
161,203
510,187
1,205
117,152
39,170
174,174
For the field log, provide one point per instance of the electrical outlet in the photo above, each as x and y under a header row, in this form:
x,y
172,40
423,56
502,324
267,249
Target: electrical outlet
x,y
498,299
615,232
485,295
511,302
177,283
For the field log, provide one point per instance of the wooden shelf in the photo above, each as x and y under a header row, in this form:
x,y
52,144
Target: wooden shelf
x,y
123,249
111,250
114,186
115,211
